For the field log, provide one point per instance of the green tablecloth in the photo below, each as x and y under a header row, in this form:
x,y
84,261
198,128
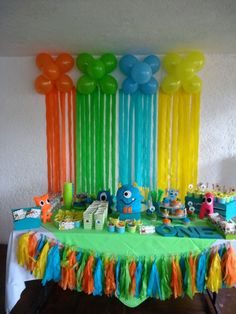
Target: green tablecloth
x,y
127,244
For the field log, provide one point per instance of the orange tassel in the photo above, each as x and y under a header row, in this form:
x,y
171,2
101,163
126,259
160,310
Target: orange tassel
x,y
72,271
32,245
88,282
228,265
132,270
176,281
110,284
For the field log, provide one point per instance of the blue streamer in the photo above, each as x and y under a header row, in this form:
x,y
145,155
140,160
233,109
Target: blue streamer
x,y
147,152
40,245
154,158
98,278
78,257
118,278
138,277
53,269
126,141
154,288
201,272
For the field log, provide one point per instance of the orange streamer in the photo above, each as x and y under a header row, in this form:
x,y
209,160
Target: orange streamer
x,y
49,141
228,265
32,245
110,284
63,138
57,141
176,282
132,270
88,282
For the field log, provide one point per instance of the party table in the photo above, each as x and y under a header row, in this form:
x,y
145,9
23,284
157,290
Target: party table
x,y
105,243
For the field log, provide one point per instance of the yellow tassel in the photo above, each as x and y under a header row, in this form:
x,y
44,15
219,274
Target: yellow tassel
x,y
41,262
214,280
22,251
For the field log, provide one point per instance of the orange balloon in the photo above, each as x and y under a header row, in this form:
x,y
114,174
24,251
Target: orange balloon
x,y
65,62
51,71
43,59
64,83
43,85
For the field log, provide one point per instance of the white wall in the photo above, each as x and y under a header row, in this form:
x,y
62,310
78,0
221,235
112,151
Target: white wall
x,y
23,167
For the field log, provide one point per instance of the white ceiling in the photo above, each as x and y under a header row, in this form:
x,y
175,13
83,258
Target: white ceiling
x,y
120,26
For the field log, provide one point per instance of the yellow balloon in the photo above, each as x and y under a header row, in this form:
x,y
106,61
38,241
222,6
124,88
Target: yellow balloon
x,y
184,70
197,59
170,61
170,84
193,85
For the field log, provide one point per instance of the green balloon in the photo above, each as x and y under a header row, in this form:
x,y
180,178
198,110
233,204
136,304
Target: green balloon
x,y
108,84
96,69
83,60
110,62
86,85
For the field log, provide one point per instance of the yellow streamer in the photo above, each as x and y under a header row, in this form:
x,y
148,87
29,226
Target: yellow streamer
x,y
174,151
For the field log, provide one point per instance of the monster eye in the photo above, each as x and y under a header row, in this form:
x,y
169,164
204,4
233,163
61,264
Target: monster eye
x,y
209,200
48,201
190,203
176,193
41,203
204,199
203,187
127,194
103,196
190,186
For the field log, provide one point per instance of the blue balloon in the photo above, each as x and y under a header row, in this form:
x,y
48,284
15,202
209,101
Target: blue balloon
x,y
129,86
150,87
126,63
141,73
154,63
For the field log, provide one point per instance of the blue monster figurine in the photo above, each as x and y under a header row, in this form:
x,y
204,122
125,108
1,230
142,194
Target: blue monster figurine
x,y
128,202
106,196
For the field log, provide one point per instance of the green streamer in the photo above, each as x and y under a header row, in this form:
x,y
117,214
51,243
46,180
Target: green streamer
x,y
101,136
93,117
78,142
97,123
188,279
87,157
113,150
83,134
107,140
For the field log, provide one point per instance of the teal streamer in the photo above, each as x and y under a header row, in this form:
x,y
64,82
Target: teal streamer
x,y
154,288
154,136
201,273
126,141
130,147
138,140
138,278
118,278
121,136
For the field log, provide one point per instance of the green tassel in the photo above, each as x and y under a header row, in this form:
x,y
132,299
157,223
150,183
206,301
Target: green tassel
x,y
81,271
125,279
165,267
188,278
143,292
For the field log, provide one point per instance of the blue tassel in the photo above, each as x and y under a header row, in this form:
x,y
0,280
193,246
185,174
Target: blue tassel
x,y
53,269
98,278
201,272
118,278
154,289
138,277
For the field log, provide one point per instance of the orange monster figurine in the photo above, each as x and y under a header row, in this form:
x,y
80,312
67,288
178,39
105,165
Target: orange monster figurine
x,y
44,203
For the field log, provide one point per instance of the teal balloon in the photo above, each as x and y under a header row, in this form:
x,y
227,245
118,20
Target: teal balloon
x,y
126,63
86,85
129,86
83,60
150,87
154,63
141,73
96,69
110,62
108,84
